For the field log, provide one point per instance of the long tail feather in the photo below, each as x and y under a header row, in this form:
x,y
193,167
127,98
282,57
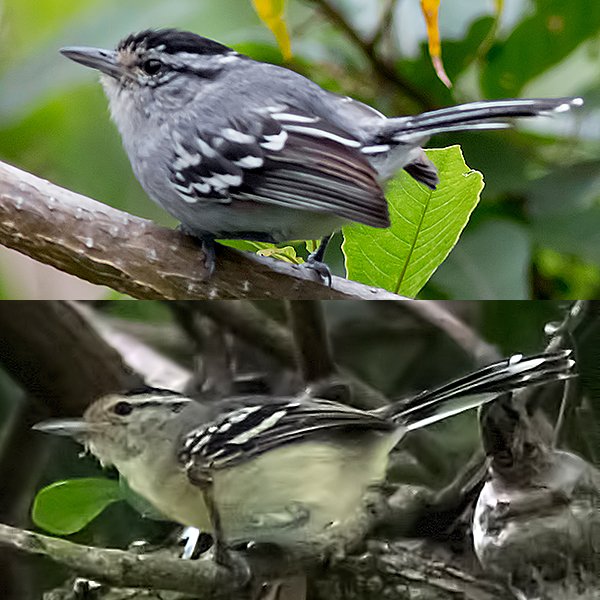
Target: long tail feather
x,y
482,386
486,114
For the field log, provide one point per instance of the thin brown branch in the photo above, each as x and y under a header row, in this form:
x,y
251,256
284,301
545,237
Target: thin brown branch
x,y
253,326
107,246
313,348
214,362
380,66
467,339
384,24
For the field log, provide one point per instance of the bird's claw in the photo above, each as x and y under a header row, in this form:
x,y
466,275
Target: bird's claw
x,y
320,268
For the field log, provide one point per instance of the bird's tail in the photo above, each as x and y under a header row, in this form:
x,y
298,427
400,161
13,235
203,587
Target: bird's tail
x,y
481,387
486,114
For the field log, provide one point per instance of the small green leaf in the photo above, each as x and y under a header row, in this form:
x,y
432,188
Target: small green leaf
x,y
285,253
65,507
425,226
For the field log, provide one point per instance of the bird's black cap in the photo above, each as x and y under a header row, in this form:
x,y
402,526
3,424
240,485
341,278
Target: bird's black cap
x,y
173,41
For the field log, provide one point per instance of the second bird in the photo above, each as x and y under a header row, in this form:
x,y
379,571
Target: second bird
x,y
240,149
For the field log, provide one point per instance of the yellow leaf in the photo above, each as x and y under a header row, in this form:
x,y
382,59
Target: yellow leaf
x,y
430,9
271,14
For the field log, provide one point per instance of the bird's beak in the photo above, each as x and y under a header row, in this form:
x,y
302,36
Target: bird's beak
x,y
95,58
75,428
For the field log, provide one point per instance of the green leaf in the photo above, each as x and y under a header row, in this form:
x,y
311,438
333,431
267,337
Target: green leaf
x,y
285,253
65,507
425,226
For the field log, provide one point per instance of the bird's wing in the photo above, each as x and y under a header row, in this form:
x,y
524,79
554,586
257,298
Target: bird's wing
x,y
250,430
281,157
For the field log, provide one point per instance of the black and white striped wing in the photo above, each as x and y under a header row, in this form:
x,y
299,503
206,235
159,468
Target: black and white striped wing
x,y
283,158
248,431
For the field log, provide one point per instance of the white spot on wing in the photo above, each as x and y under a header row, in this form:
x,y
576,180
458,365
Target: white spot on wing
x,y
201,188
290,118
207,150
189,160
221,181
239,415
249,162
275,142
233,135
267,423
321,133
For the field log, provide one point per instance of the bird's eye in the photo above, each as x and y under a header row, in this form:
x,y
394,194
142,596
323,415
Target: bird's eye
x,y
122,408
151,66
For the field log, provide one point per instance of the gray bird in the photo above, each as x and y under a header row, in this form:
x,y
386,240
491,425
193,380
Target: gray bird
x,y
240,149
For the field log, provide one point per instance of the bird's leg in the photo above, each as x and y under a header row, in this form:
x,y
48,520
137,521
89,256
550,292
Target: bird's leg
x,y
223,556
315,261
207,245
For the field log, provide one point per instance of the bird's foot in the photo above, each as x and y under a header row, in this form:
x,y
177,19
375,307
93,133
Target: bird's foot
x,y
234,562
319,267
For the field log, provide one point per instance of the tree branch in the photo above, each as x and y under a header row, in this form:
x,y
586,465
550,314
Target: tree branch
x,y
367,47
125,569
51,350
107,246
392,565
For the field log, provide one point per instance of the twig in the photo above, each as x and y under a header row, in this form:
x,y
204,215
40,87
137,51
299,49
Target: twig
x,y
380,66
434,313
313,348
104,245
214,368
251,325
384,24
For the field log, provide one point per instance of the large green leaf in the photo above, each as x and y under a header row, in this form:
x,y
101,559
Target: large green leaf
x,y
425,226
66,507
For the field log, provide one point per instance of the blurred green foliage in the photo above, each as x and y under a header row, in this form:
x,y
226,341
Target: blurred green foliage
x,y
536,232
